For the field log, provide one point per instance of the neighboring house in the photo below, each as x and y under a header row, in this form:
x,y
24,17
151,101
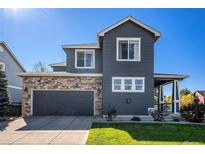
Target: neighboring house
x,y
116,72
200,95
10,64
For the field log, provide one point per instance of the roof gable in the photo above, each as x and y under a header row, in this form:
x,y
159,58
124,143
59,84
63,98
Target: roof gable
x,y
201,92
129,18
12,55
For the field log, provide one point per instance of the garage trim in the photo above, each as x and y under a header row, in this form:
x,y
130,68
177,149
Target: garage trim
x,y
31,112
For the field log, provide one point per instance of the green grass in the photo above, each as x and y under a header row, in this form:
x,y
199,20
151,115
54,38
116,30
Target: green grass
x,y
145,134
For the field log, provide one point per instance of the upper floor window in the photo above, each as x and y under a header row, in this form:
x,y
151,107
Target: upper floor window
x,y
2,66
1,49
128,49
128,84
85,59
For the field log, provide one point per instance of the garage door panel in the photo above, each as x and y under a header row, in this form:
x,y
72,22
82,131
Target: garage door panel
x,y
63,103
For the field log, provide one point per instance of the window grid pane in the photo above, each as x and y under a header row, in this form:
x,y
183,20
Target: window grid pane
x,y
139,85
117,84
128,84
123,49
117,81
88,60
80,59
132,49
117,87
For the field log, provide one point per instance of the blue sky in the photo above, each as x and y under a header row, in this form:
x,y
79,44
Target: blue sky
x,y
37,34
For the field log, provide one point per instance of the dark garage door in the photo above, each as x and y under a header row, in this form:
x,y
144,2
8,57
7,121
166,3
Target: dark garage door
x,y
63,103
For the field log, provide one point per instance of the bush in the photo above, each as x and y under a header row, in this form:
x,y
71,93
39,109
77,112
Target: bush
x,y
193,112
136,119
111,114
157,115
187,99
4,98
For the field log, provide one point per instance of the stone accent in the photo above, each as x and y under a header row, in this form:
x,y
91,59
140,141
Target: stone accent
x,y
61,83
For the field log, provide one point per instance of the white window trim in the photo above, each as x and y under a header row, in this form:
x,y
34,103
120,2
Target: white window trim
x,y
127,39
4,66
133,84
85,50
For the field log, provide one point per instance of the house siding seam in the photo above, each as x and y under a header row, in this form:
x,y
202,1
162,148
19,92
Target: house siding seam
x,y
61,83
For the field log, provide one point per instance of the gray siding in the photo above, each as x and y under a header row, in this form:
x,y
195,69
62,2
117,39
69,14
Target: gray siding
x,y
14,94
111,68
59,68
71,62
12,69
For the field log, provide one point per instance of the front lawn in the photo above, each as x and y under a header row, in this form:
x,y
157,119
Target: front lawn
x,y
145,134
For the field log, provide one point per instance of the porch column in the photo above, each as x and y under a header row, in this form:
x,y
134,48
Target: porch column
x,y
161,98
175,97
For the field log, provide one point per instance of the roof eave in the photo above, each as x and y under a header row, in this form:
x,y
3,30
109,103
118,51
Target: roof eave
x,y
13,55
182,77
80,47
155,32
59,74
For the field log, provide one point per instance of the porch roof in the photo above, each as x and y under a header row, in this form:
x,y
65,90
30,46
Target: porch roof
x,y
161,79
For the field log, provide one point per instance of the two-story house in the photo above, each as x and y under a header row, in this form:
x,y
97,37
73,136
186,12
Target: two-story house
x,y
116,72
11,65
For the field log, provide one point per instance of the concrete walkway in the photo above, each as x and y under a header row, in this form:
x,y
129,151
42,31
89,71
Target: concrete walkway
x,y
45,130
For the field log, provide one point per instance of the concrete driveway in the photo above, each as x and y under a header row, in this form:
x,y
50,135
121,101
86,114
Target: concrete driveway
x,y
46,130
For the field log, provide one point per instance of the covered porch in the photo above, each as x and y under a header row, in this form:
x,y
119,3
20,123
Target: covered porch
x,y
160,80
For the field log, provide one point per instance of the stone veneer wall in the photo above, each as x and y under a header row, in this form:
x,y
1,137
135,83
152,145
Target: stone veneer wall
x,y
61,83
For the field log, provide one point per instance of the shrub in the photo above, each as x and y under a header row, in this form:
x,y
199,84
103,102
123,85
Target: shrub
x,y
136,119
4,98
111,114
193,112
157,115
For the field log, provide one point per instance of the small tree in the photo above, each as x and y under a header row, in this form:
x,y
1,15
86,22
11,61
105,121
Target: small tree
x,y
168,100
40,67
187,99
184,92
4,99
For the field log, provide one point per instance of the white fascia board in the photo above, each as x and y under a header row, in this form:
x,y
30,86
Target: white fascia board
x,y
58,64
64,74
81,46
13,55
156,33
171,76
